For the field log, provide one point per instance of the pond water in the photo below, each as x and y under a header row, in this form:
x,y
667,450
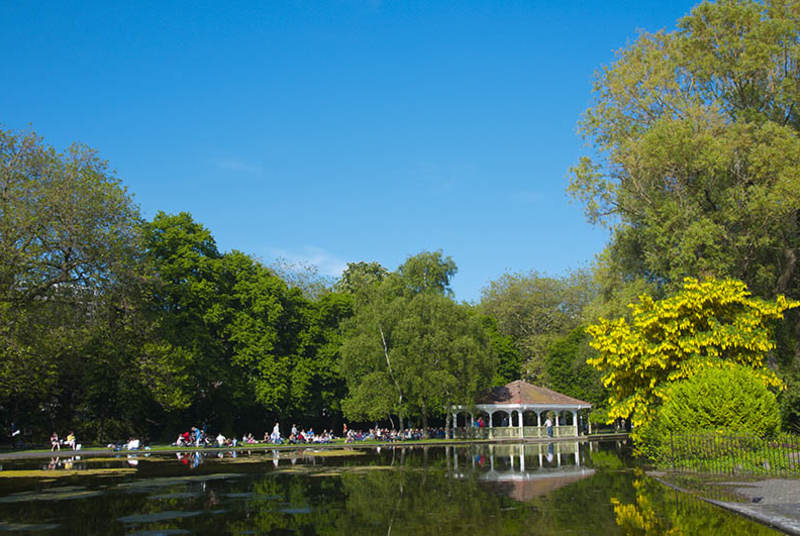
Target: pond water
x,y
557,488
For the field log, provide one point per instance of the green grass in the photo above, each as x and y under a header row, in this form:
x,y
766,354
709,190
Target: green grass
x,y
255,446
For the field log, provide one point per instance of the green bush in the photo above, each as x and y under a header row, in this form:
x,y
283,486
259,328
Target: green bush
x,y
732,400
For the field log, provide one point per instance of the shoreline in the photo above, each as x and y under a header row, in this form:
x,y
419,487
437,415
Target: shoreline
x,y
770,508
159,449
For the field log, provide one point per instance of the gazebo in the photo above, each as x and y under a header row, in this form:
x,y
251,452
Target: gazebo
x,y
528,403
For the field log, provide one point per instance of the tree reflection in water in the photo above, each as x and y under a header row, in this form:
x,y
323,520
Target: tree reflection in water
x,y
488,489
658,509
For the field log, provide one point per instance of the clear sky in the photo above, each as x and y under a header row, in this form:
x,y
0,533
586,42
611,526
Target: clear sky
x,y
334,131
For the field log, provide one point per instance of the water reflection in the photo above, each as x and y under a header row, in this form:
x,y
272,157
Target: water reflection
x,y
483,489
525,471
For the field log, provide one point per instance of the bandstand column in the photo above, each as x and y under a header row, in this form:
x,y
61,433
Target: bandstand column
x,y
575,421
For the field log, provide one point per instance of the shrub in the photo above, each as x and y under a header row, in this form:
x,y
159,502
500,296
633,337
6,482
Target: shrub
x,y
731,399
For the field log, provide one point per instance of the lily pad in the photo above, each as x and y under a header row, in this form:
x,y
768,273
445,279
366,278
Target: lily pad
x,y
161,532
27,527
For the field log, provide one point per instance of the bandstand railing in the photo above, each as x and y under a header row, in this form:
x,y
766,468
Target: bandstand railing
x,y
512,432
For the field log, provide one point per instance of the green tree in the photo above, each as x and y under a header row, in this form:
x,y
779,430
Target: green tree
x,y
568,371
68,239
186,363
234,340
535,310
409,349
428,271
304,276
695,137
359,275
509,358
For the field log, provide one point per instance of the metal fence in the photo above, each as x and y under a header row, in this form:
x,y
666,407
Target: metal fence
x,y
727,454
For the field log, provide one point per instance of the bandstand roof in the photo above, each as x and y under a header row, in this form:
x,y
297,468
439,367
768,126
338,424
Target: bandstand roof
x,y
523,393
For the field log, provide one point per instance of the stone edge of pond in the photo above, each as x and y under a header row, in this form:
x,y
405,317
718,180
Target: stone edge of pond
x,y
786,524
28,455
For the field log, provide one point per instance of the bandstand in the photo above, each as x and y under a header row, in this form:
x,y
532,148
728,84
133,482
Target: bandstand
x,y
519,410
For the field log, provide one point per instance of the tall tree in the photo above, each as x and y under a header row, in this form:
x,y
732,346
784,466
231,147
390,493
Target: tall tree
x,y
697,154
359,275
409,349
68,237
535,310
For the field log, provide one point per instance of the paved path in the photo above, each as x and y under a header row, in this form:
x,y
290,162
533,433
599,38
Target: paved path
x,y
774,502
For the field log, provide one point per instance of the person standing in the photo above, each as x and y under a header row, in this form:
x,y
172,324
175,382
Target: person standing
x,y
548,424
276,433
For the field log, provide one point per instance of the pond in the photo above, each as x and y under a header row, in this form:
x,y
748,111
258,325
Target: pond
x,y
556,488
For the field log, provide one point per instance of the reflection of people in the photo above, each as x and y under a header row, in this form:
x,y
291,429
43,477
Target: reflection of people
x,y
550,453
548,424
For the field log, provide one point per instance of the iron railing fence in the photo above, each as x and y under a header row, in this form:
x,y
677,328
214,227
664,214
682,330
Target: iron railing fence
x,y
730,454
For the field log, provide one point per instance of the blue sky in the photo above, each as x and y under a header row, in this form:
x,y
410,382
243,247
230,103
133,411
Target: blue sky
x,y
334,131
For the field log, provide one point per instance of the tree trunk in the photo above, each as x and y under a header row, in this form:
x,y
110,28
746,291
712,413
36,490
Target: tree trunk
x,y
424,421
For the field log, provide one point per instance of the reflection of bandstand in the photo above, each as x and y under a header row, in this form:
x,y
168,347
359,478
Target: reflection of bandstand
x,y
525,471
528,403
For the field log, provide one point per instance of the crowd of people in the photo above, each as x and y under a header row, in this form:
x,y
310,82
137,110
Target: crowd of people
x,y
199,437
385,434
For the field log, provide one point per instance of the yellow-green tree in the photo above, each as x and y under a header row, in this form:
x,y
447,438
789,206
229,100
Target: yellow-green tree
x,y
710,323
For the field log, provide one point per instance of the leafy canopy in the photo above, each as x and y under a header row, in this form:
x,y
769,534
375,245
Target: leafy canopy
x,y
409,349
696,153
